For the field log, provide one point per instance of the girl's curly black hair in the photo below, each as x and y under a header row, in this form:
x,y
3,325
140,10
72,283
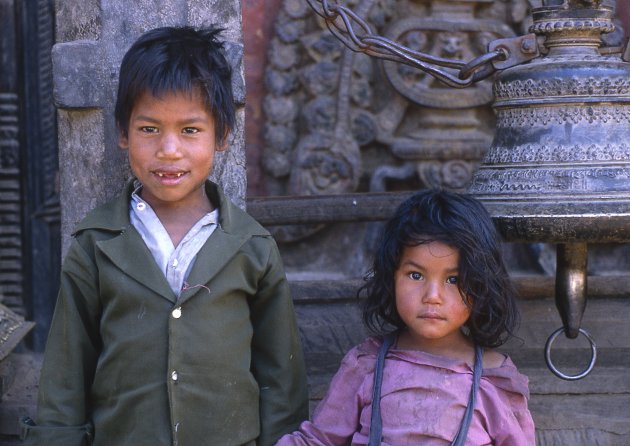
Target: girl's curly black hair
x,y
461,222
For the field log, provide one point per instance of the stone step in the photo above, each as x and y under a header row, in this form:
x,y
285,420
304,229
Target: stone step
x,y
20,398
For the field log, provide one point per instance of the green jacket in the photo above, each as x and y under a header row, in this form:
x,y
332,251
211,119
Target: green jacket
x,y
127,365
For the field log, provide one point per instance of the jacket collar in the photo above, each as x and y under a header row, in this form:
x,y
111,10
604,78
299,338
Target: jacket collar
x,y
114,215
128,251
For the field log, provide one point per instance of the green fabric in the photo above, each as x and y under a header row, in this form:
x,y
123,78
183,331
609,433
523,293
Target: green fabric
x,y
79,435
114,345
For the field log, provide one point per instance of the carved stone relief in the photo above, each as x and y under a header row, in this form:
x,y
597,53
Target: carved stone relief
x,y
339,121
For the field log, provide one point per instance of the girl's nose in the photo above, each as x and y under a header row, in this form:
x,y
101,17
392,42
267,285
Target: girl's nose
x,y
432,292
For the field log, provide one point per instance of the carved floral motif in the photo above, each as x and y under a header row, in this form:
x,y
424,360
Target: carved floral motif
x,y
339,121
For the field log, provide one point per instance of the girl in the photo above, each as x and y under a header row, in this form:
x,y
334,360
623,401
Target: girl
x,y
440,294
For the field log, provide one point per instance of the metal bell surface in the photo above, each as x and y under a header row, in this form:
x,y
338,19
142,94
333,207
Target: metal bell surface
x,y
560,158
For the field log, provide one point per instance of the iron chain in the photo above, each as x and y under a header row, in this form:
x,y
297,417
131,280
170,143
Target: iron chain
x,y
356,34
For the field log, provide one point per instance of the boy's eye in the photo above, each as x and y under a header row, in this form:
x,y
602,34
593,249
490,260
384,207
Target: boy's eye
x,y
148,129
452,280
415,275
190,130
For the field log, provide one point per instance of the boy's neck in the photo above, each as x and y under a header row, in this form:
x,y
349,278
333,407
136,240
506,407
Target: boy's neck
x,y
178,219
178,222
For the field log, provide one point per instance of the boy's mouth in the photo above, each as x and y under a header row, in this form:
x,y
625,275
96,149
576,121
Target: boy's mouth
x,y
168,178
169,175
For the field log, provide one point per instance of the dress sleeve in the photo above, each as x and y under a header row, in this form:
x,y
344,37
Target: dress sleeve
x,y
337,417
72,351
519,431
509,421
277,359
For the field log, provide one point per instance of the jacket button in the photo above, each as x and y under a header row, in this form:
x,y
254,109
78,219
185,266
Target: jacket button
x,y
177,313
174,375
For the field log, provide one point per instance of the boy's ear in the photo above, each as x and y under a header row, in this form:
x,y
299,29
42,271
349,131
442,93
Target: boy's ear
x,y
123,140
223,145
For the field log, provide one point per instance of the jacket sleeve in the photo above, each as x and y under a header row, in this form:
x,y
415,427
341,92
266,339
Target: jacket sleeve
x,y
277,359
338,416
69,362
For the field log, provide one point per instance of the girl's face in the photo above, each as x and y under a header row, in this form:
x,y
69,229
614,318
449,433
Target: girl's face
x,y
429,301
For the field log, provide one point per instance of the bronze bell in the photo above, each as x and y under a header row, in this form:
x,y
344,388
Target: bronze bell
x,y
558,169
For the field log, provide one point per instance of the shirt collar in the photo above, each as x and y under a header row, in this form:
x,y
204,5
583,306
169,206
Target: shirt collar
x,y
139,205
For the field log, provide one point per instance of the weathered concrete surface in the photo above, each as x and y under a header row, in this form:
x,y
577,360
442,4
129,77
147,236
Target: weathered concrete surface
x,y
92,38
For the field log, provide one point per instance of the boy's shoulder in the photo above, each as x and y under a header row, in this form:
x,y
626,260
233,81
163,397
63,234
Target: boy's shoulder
x,y
233,219
112,215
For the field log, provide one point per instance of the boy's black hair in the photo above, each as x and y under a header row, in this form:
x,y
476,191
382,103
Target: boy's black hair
x,y
177,59
461,222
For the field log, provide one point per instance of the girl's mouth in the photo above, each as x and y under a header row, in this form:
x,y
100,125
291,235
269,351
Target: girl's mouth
x,y
432,316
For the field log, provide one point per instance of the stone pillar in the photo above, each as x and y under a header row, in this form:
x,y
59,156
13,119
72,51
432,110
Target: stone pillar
x,y
92,37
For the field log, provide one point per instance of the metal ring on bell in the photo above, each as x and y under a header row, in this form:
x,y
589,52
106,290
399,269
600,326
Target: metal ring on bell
x,y
555,370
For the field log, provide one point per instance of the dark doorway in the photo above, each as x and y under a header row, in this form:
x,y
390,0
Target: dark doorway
x,y
37,162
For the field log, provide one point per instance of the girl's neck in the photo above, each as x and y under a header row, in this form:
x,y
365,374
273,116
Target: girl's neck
x,y
456,347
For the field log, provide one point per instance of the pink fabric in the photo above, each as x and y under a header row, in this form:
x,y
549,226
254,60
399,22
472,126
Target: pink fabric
x,y
423,399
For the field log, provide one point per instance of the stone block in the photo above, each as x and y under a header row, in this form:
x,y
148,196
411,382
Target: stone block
x,y
21,397
78,74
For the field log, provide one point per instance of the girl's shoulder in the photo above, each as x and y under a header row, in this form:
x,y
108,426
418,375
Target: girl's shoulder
x,y
363,355
504,376
369,346
493,359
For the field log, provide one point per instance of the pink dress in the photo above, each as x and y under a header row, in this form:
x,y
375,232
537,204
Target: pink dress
x,y
423,399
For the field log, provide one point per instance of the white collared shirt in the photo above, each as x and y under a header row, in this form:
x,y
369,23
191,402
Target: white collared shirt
x,y
174,261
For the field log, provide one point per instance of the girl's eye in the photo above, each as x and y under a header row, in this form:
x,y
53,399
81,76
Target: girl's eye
x,y
452,280
190,130
148,129
415,275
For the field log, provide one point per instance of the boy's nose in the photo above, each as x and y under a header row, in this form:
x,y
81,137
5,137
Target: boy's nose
x,y
169,147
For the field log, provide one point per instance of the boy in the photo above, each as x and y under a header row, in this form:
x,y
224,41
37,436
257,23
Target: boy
x,y
174,324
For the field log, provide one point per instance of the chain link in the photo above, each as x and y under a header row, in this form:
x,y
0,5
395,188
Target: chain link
x,y
357,35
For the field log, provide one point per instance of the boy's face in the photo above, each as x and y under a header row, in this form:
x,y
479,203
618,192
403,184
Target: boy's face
x,y
171,143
